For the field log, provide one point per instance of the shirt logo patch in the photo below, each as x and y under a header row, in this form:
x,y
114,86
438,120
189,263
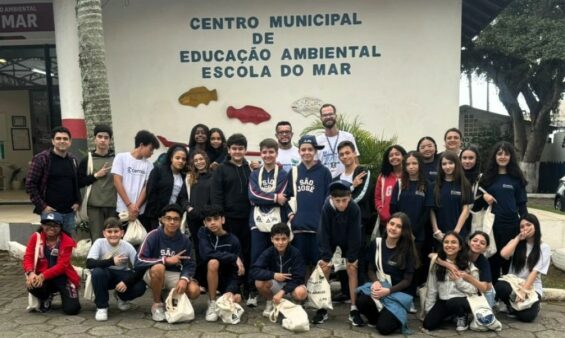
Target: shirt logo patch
x,y
507,186
455,193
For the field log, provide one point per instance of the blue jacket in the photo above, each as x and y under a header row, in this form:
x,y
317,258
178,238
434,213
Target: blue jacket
x,y
157,246
312,188
341,229
266,200
270,262
226,249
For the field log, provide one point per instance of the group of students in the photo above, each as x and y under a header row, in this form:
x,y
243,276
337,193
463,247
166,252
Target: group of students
x,y
263,227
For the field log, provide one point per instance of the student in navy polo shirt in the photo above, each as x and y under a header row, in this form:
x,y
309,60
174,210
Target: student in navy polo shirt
x,y
452,197
506,192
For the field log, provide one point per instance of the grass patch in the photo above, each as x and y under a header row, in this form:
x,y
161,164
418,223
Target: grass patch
x,y
555,278
545,208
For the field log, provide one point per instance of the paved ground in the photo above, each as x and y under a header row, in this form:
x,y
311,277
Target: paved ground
x,y
16,322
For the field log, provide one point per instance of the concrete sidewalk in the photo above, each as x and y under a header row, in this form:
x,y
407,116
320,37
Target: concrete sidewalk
x,y
16,322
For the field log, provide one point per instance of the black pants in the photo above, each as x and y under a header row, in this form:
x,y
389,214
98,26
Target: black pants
x,y
385,322
67,290
503,232
503,291
104,279
458,306
193,227
240,228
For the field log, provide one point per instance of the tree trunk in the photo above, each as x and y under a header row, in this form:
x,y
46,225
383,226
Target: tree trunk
x,y
95,90
531,173
509,99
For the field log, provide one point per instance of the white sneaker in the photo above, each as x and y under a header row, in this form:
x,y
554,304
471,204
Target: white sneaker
x,y
268,308
252,300
413,308
211,315
501,306
123,305
101,315
158,312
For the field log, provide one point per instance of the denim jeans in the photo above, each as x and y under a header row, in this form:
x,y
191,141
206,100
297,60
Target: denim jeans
x,y
104,279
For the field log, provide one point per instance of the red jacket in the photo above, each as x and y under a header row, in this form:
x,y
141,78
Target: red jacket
x,y
383,204
63,265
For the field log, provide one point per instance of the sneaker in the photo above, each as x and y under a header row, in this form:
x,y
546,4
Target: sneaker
x,y
252,300
123,305
268,308
158,312
340,298
461,324
211,315
101,315
320,317
355,318
501,306
45,306
413,308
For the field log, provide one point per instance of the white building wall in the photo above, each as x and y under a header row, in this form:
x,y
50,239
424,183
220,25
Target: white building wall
x,y
411,90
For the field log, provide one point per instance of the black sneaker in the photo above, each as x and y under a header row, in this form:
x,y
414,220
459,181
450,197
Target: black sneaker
x,y
355,318
45,305
320,317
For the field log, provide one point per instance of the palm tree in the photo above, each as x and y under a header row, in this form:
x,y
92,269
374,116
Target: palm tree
x,y
95,91
371,147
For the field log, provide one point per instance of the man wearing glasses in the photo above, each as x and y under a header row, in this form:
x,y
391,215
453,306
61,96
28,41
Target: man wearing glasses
x,y
288,154
330,139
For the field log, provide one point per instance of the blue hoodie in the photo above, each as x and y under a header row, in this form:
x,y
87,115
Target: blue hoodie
x,y
226,249
341,229
157,246
271,262
312,188
266,200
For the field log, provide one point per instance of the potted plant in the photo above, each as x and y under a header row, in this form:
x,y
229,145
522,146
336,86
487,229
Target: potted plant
x,y
16,179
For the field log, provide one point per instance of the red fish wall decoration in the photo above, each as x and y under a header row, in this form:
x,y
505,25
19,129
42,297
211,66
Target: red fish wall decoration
x,y
248,114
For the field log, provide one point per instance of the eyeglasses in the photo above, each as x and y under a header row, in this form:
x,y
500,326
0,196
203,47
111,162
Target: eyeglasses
x,y
171,219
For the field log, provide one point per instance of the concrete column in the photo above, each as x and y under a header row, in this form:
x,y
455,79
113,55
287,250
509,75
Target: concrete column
x,y
70,85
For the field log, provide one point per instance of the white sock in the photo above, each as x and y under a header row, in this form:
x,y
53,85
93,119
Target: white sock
x,y
353,307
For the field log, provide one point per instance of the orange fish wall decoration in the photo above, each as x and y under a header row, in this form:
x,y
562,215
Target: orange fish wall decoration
x,y
198,95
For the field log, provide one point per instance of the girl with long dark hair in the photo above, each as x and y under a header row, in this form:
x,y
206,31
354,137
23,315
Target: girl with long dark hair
x,y
530,259
447,289
399,260
391,172
412,196
198,182
427,146
218,148
166,185
452,197
505,188
199,139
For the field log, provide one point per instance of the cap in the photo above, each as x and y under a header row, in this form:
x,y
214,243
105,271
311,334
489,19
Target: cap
x,y
340,185
310,139
52,217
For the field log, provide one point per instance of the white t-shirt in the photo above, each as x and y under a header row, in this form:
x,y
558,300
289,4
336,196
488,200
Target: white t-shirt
x,y
347,178
101,249
329,155
288,158
541,266
134,174
176,188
